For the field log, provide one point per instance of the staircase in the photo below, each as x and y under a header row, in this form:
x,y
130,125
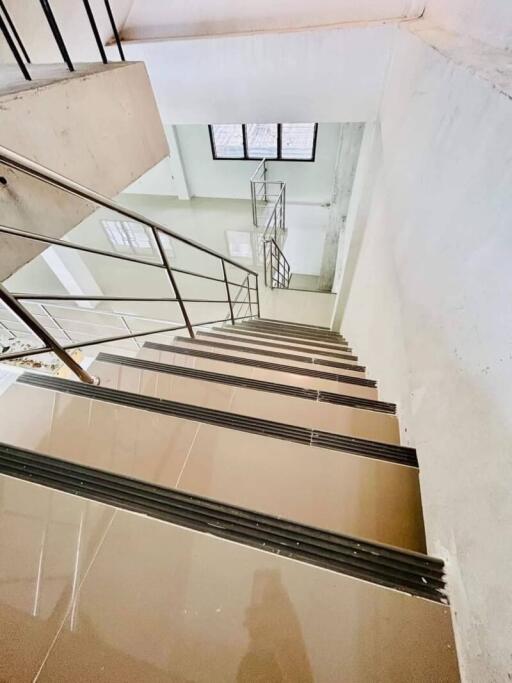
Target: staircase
x,y
277,535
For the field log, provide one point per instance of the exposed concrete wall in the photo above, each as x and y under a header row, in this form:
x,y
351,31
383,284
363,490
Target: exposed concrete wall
x,y
487,20
157,19
99,127
429,311
346,164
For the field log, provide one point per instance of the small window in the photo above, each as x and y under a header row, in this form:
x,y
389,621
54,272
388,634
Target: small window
x,y
261,140
227,141
298,141
254,141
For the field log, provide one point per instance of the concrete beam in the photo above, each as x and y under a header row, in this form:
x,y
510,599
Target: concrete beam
x,y
99,126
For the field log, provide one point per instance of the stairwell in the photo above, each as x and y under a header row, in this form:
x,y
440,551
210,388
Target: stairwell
x,y
236,506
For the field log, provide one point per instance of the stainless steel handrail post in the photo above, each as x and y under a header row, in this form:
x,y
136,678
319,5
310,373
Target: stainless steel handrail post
x,y
14,50
258,296
172,279
53,345
228,292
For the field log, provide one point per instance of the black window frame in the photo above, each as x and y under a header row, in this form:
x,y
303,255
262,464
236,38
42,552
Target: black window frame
x,y
246,157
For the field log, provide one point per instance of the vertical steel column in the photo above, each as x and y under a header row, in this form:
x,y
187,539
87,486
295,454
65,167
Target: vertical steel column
x,y
170,275
114,30
32,323
228,293
95,31
56,33
14,50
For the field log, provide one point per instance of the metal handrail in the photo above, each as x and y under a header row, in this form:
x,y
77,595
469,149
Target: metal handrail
x,y
19,52
14,300
276,265
260,191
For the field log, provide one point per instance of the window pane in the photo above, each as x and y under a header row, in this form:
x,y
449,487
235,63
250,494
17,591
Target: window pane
x,y
228,140
297,140
262,140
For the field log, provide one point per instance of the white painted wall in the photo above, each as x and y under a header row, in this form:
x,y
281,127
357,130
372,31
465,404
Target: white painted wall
x,y
293,77
429,312
487,20
157,19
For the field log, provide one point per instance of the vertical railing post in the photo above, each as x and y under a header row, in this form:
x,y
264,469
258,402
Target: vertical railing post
x,y
14,50
228,293
56,33
48,340
114,30
172,280
14,31
265,179
95,31
258,295
249,293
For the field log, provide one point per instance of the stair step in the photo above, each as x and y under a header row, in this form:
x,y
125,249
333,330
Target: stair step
x,y
345,379
292,331
237,396
360,496
413,573
289,322
248,338
264,334
218,610
249,383
245,423
238,346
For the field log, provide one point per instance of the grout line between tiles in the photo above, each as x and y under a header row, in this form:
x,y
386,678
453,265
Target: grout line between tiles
x,y
188,455
70,607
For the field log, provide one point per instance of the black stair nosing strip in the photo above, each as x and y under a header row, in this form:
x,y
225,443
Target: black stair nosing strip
x,y
227,333
331,336
268,335
390,453
294,369
290,322
353,445
365,403
249,383
297,326
265,352
403,570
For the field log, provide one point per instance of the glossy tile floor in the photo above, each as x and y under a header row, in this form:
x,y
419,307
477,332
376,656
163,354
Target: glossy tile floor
x,y
257,373
366,424
249,352
350,494
91,593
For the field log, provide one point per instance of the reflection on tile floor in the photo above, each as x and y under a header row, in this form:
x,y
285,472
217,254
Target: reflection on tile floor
x,y
163,603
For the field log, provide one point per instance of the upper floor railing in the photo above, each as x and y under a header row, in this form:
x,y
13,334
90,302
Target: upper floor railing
x,y
277,268
19,51
226,281
268,200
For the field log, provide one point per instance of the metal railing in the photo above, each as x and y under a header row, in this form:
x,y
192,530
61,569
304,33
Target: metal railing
x,y
19,51
16,301
267,195
277,268
268,201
